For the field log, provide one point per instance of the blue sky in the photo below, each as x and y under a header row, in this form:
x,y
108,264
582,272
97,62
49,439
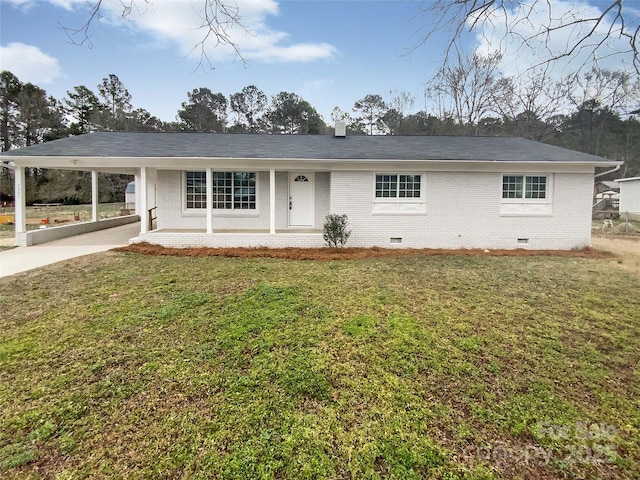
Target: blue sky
x,y
355,48
332,53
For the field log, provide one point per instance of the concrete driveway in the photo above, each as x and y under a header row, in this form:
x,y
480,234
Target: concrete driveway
x,y
22,259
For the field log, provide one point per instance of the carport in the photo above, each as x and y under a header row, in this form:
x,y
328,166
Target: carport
x,y
60,155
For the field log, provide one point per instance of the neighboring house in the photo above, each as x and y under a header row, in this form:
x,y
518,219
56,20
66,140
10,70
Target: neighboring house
x,y
605,186
224,190
605,202
630,196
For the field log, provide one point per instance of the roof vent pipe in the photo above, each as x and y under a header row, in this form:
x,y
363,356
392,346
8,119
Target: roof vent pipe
x,y
341,129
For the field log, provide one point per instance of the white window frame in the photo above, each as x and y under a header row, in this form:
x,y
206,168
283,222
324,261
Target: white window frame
x,y
527,206
219,211
398,198
233,209
203,210
400,205
524,198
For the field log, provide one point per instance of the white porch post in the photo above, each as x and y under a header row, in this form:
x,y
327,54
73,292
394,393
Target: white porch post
x,y
137,184
20,201
144,201
209,186
94,196
272,201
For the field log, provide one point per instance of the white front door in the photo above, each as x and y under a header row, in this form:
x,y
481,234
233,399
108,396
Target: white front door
x,y
300,199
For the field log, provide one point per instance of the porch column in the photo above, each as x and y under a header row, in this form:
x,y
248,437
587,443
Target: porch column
x,y
272,201
20,211
137,184
209,185
94,196
144,201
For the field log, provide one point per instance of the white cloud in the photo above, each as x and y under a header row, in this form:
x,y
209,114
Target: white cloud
x,y
527,44
27,4
303,52
29,63
181,22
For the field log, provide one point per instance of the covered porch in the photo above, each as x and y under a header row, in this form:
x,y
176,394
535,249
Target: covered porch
x,y
218,207
184,202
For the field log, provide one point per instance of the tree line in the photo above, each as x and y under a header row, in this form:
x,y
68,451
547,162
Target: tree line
x,y
591,112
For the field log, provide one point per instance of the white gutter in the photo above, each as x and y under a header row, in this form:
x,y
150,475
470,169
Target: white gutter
x,y
615,169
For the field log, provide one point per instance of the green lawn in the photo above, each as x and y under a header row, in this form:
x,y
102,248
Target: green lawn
x,y
123,365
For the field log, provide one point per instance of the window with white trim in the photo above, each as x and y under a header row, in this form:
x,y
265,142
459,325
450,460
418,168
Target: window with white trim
x,y
196,189
397,186
528,187
234,190
231,190
526,194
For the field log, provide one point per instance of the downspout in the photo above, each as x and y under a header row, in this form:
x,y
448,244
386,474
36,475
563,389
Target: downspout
x,y
617,167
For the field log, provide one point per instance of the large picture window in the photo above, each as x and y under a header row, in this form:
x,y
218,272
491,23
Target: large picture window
x,y
524,187
231,190
397,186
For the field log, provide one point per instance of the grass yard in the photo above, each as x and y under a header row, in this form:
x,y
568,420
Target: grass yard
x,y
123,365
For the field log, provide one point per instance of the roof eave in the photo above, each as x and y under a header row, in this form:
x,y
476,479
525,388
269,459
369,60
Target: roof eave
x,y
179,163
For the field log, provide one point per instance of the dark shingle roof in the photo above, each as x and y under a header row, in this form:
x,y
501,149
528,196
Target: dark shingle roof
x,y
196,145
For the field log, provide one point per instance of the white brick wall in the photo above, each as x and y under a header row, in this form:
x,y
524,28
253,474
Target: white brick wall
x,y
322,198
462,211
188,239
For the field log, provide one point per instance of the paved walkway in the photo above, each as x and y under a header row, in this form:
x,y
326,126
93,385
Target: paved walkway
x,y
22,259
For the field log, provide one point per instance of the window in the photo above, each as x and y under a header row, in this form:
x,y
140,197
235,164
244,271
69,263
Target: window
x,y
397,186
196,190
524,186
234,190
535,187
231,190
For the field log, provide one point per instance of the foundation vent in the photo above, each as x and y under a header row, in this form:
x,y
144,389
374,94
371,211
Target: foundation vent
x,y
395,240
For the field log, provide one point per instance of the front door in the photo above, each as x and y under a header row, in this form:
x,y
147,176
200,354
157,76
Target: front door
x,y
301,199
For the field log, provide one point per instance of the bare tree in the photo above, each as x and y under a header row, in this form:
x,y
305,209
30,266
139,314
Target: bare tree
x,y
400,105
533,100
217,20
470,89
615,89
590,30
